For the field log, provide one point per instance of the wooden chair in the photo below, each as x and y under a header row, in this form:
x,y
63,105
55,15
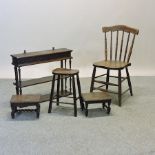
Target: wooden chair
x,y
119,41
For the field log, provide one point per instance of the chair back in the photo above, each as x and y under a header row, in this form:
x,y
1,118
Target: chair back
x,y
119,41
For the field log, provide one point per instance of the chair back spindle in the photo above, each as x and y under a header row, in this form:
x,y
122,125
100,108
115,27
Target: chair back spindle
x,y
123,44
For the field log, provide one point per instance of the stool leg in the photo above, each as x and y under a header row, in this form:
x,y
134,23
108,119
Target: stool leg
x,y
92,80
107,79
79,89
51,95
58,89
74,96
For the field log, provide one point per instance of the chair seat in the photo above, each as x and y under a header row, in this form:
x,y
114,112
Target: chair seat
x,y
111,64
64,71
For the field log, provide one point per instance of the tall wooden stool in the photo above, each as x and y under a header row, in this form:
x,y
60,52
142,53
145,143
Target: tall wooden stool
x,y
25,101
97,97
71,73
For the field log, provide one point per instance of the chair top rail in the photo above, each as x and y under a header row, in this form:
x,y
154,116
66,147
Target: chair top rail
x,y
120,28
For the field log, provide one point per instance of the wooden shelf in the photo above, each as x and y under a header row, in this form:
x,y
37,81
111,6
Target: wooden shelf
x,y
46,97
34,81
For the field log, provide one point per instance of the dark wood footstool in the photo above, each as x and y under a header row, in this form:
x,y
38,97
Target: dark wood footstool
x,y
25,101
97,97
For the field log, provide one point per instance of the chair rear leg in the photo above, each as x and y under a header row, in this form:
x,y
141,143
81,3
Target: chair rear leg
x,y
79,90
93,79
119,88
129,82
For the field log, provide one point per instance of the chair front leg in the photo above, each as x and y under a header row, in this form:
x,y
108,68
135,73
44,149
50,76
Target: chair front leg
x,y
129,82
93,79
119,88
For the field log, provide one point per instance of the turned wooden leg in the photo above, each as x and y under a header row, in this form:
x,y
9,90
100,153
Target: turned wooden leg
x,y
103,105
38,110
13,108
108,107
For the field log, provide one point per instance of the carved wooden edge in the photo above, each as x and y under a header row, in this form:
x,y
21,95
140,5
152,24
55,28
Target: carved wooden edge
x,y
120,27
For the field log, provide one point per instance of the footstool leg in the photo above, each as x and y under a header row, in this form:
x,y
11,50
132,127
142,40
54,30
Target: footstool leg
x,y
86,109
108,107
38,110
13,108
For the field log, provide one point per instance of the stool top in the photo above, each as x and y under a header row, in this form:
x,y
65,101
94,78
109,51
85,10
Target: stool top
x,y
64,71
96,96
29,98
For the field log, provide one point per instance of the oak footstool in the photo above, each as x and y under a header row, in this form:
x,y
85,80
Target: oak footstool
x,y
20,101
97,97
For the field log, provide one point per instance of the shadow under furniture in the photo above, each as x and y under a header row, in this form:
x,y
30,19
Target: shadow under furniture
x,y
119,41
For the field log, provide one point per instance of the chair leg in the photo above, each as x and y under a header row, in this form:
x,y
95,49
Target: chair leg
x,y
74,96
51,95
58,90
107,79
129,82
119,88
93,79
79,90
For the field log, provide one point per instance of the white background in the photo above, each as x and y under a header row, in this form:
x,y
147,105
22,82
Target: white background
x,y
75,24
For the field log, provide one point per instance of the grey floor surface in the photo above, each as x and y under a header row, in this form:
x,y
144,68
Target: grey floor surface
x,y
128,130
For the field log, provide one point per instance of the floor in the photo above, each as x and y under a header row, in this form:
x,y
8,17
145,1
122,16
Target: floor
x,y
128,130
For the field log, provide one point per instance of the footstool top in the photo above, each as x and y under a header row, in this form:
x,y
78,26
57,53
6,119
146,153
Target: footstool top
x,y
96,96
28,98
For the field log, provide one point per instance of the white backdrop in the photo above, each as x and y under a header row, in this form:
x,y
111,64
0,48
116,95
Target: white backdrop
x,y
75,24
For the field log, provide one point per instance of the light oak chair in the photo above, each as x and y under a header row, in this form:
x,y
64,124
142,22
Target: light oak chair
x,y
119,41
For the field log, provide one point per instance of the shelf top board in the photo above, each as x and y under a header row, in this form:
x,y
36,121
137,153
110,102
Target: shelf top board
x,y
40,53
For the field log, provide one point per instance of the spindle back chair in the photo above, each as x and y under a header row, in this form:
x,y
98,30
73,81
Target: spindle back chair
x,y
119,41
